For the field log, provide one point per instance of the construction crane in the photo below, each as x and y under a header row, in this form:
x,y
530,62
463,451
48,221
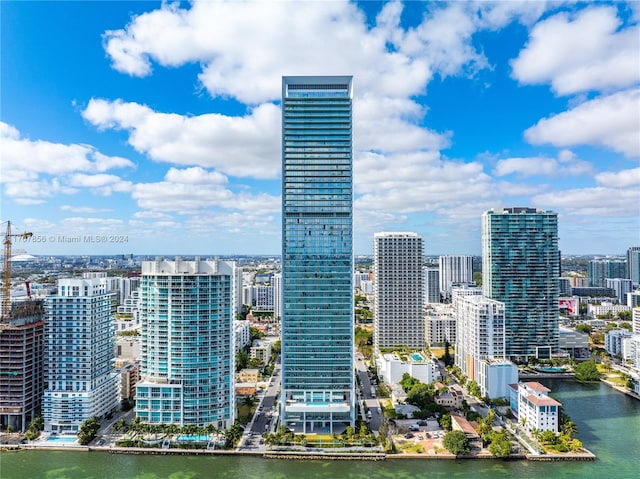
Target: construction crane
x,y
6,287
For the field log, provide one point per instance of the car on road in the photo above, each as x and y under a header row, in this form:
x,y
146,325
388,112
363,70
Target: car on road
x,y
408,435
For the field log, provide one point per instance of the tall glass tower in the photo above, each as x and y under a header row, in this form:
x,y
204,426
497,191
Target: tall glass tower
x,y
317,254
520,267
188,352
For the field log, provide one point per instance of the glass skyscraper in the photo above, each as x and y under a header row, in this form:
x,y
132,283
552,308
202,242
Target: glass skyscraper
x,y
317,254
188,356
520,267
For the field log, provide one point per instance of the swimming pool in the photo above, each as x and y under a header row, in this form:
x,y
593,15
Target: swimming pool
x,y
554,369
62,438
417,357
194,438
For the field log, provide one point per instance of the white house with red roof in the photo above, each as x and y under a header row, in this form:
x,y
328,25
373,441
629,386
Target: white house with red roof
x,y
533,407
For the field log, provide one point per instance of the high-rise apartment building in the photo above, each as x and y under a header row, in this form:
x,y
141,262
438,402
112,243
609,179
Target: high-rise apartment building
x,y
633,264
454,270
431,282
79,370
21,364
317,254
602,269
398,318
188,357
520,265
621,286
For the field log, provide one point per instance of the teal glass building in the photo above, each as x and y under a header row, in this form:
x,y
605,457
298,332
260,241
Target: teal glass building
x,y
521,268
317,254
187,311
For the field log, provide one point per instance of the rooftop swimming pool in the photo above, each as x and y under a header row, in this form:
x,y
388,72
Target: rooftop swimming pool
x,y
417,357
62,438
553,369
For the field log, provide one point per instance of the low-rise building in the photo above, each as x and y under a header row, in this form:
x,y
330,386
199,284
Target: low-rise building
x,y
261,350
495,375
391,368
613,341
248,375
533,407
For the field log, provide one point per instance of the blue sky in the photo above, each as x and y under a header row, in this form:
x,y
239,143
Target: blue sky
x,y
155,128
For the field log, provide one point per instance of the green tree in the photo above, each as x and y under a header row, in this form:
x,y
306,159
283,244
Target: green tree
x,y
474,389
408,382
569,428
242,360
421,395
587,371
445,421
255,333
88,430
447,359
456,443
500,446
584,328
34,428
548,437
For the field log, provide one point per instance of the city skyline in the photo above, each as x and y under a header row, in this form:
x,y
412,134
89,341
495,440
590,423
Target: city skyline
x,y
155,129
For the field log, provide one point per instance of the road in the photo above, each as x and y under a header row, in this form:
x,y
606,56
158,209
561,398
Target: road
x,y
371,402
266,415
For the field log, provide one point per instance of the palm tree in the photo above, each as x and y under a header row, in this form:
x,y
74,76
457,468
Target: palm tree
x,y
569,428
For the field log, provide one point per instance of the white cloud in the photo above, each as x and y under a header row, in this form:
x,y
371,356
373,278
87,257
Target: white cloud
x,y
84,209
581,52
598,201
25,160
195,176
566,165
611,121
246,146
37,189
620,179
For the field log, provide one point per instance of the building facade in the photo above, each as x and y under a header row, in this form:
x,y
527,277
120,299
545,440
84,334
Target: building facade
x,y
317,254
21,364
520,267
431,281
633,264
188,334
398,310
534,408
602,269
79,370
480,333
621,286
454,270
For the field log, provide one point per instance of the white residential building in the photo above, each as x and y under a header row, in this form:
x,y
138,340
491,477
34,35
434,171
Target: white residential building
x,y
480,343
441,324
535,409
261,350
633,299
595,310
391,368
263,297
398,304
454,270
635,318
242,331
631,350
79,344
613,341
621,286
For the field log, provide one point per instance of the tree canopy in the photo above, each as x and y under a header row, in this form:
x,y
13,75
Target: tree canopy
x,y
587,371
456,443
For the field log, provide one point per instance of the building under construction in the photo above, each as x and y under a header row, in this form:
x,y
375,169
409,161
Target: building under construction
x,y
21,364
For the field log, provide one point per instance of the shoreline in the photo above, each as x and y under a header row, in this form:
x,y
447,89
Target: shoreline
x,y
298,455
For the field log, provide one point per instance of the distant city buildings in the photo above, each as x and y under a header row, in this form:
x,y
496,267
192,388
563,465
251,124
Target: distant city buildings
x,y
431,282
454,270
633,264
602,269
441,325
621,286
398,304
188,356
318,384
79,370
521,269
